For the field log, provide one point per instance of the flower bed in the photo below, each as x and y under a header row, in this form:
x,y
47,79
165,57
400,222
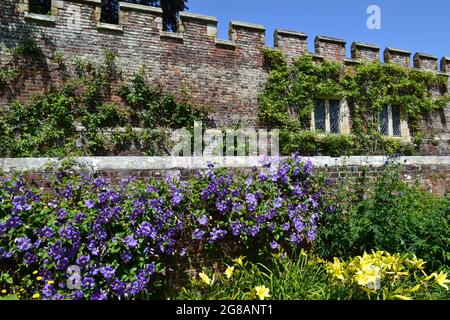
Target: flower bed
x,y
87,239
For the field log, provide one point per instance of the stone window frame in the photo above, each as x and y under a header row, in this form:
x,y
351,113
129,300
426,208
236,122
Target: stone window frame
x,y
344,118
404,128
44,19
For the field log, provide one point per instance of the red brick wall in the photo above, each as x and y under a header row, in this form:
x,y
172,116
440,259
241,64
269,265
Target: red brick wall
x,y
226,76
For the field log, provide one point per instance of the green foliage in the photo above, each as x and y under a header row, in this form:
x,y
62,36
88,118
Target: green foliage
x,y
290,91
288,99
152,108
286,279
309,144
47,124
24,58
307,277
388,215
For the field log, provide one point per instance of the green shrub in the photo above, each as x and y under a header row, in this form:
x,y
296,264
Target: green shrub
x,y
387,215
304,142
339,145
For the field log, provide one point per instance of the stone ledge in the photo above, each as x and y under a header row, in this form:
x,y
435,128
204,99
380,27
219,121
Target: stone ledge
x,y
140,8
245,25
289,33
227,44
400,51
94,2
40,18
171,35
316,56
352,62
426,56
198,17
330,39
10,165
109,27
365,46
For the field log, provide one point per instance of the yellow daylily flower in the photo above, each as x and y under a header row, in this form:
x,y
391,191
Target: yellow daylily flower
x,y
416,288
229,272
205,278
400,297
35,272
441,279
51,282
39,278
240,260
336,269
36,296
262,292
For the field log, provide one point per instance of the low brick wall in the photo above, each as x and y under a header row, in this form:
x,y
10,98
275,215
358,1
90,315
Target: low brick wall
x,y
433,173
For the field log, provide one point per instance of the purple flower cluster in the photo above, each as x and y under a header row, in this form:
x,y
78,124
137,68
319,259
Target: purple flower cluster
x,y
117,236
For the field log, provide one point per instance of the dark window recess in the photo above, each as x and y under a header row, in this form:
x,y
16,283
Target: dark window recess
x,y
110,11
319,115
384,121
40,6
334,116
396,121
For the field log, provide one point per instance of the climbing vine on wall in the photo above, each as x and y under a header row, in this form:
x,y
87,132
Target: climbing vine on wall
x,y
77,117
288,99
25,58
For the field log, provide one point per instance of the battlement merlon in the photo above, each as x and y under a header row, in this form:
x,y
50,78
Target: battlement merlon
x,y
293,44
246,36
332,49
445,64
365,52
426,61
397,56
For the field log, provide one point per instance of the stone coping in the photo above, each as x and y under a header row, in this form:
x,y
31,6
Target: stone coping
x,y
365,45
330,39
290,33
394,50
246,25
195,16
425,55
10,165
140,7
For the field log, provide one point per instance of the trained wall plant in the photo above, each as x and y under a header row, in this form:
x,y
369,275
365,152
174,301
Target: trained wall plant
x,y
288,99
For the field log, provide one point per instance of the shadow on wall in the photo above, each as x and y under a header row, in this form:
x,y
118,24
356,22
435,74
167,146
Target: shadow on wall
x,y
23,56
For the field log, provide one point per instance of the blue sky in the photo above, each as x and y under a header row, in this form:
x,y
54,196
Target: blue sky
x,y
417,26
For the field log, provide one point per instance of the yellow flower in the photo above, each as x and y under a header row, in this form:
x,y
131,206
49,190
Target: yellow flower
x,y
36,296
51,282
229,272
205,278
239,260
35,272
303,253
419,263
400,297
441,279
262,292
3,291
336,269
416,288
368,276
39,278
